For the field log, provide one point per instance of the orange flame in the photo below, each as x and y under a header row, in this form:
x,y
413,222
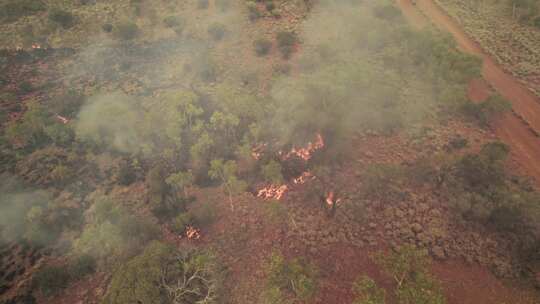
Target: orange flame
x,y
193,233
62,119
278,191
303,178
256,152
306,152
273,192
331,199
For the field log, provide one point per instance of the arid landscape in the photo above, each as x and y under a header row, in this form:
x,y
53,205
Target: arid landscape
x,y
269,151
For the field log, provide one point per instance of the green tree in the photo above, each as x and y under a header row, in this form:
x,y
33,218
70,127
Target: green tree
x,y
181,181
272,172
295,276
409,267
226,173
162,275
29,131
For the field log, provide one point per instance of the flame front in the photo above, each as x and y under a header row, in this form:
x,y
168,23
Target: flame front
x,y
303,178
273,192
306,152
193,233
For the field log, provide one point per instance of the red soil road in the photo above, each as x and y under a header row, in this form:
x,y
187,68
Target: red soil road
x,y
518,129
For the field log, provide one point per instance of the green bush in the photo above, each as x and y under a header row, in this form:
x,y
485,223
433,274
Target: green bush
x,y
262,46
217,31
296,277
269,5
126,174
223,5
368,292
107,27
82,266
126,31
536,22
286,42
172,21
181,222
50,280
163,275
485,111
409,267
387,11
62,17
253,11
202,4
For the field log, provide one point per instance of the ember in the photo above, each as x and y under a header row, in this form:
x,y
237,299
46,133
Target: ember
x,y
256,152
62,119
303,178
273,192
278,191
193,233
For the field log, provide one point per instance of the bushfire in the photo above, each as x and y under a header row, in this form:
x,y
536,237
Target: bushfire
x,y
62,119
278,191
273,192
306,152
193,233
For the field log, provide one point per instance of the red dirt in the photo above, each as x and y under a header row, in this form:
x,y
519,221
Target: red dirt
x,y
519,129
473,284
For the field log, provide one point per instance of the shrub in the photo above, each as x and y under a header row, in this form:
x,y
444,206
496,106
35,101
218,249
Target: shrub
x,y
262,47
223,5
126,174
26,87
536,22
269,5
458,142
286,42
217,31
253,11
202,4
107,27
161,274
126,31
181,222
172,21
203,214
50,280
272,172
276,211
295,276
82,266
282,69
485,111
368,292
409,268
387,11
64,18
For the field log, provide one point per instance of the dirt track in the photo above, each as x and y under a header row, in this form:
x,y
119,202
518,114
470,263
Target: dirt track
x,y
518,129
